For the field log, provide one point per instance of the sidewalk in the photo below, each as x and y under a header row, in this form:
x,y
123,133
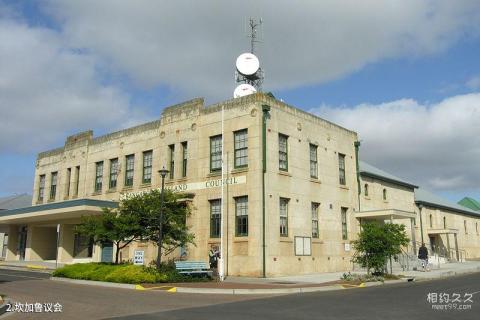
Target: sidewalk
x,y
47,266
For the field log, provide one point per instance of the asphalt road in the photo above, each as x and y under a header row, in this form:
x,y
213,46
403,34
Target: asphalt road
x,y
400,301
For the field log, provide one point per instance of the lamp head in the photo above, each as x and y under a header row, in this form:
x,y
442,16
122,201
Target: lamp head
x,y
163,172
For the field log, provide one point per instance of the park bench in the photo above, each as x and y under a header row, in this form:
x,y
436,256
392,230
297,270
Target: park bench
x,y
193,268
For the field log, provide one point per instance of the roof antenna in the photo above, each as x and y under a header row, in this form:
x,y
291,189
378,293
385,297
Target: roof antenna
x,y
248,72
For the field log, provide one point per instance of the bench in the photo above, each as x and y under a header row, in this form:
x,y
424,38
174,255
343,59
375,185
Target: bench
x,y
193,268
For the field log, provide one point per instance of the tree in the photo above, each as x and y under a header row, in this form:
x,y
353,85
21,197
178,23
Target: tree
x,y
137,218
378,242
111,226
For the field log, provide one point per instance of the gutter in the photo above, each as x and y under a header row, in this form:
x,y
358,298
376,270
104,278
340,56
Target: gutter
x,y
357,147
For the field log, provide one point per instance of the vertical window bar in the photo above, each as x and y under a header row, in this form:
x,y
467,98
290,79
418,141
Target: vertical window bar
x,y
241,214
283,217
215,211
129,170
341,169
315,232
241,148
112,184
98,176
171,150
147,167
53,185
313,161
344,224
184,158
282,152
216,153
41,188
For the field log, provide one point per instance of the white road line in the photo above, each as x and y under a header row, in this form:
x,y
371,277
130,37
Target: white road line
x,y
12,275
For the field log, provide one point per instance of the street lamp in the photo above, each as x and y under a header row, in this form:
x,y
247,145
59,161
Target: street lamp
x,y
163,174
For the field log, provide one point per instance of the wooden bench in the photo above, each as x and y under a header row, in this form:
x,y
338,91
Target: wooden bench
x,y
193,268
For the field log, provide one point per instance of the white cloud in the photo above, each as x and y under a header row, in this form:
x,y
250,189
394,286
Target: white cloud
x,y
191,46
434,145
48,89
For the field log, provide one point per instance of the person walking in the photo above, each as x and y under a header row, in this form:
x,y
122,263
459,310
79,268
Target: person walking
x,y
423,256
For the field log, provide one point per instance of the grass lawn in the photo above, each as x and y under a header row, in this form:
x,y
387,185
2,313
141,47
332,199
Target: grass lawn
x,y
123,273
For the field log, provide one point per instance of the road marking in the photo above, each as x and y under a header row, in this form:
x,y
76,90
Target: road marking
x,y
17,276
164,288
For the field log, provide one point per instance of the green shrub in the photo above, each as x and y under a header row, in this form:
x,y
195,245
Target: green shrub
x,y
123,273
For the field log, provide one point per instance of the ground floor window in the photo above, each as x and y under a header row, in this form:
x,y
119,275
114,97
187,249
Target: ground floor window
x,y
241,213
215,217
82,246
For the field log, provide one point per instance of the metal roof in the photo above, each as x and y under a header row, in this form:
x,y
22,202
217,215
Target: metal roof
x,y
427,198
15,201
374,172
470,203
60,205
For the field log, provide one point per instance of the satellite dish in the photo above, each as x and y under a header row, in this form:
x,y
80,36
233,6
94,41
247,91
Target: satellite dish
x,y
243,90
247,64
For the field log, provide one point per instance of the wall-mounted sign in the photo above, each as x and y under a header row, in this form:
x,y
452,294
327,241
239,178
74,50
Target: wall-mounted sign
x,y
303,246
138,257
185,187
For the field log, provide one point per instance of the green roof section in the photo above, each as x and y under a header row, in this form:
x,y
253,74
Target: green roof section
x,y
61,205
374,172
15,201
470,203
427,198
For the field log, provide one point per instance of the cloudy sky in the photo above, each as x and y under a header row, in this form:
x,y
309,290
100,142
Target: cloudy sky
x,y
404,74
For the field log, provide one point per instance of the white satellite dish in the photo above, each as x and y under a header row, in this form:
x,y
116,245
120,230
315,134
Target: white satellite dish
x,y
247,64
243,90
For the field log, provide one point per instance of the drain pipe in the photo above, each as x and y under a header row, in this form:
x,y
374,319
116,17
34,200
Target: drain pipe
x,y
265,116
357,147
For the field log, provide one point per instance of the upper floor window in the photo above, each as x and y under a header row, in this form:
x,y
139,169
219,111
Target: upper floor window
x,y
241,216
41,187
431,221
282,152
112,181
344,223
53,185
476,227
216,153
341,169
444,222
129,169
465,226
313,161
98,176
184,158
77,180
365,188
241,148
67,183
385,194
171,156
147,167
284,217
215,217
315,207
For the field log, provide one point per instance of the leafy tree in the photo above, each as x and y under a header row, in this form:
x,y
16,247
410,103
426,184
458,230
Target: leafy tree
x,y
138,218
378,242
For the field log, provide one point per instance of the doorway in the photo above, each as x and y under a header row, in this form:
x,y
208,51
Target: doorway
x,y
22,242
107,252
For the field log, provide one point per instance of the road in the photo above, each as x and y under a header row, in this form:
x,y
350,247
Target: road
x,y
400,301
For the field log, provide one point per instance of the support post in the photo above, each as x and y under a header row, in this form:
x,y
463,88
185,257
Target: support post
x,y
456,247
58,243
414,241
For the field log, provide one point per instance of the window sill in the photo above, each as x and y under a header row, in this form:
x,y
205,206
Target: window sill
x,y
285,239
344,187
146,185
385,201
284,173
314,240
39,202
127,188
367,198
315,180
50,200
214,174
96,193
240,239
112,190
182,179
239,170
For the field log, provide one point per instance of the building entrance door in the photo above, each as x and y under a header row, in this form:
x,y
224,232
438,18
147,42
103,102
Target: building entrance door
x,y
107,252
22,242
433,244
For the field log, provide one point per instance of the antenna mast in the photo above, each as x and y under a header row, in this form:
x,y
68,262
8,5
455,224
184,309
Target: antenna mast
x,y
248,74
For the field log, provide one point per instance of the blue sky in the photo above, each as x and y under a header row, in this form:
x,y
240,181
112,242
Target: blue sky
x,y
405,76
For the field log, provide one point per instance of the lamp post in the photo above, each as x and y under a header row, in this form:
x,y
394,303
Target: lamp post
x,y
163,174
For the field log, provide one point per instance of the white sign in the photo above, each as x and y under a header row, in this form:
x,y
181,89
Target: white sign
x,y
185,187
347,246
303,246
138,257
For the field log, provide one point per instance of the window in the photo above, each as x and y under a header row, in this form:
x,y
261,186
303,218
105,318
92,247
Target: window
x,y
241,148
98,176
341,169
112,181
82,246
344,224
476,227
215,217
313,161
384,194
282,152
5,245
465,226
216,153
67,183
147,167
241,214
444,222
129,170
53,185
77,180
365,188
41,188
171,156
184,158
284,217
431,221
315,207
